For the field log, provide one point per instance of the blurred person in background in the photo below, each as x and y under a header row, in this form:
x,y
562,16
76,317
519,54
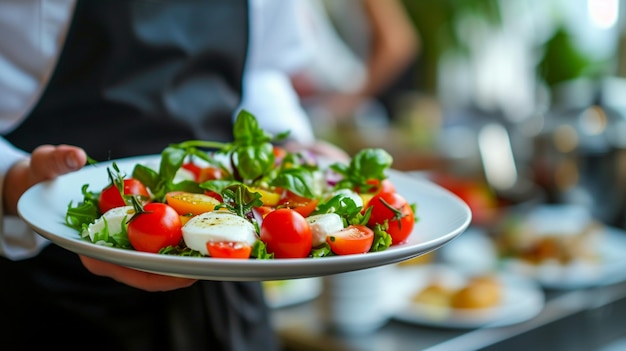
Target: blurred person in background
x,y
112,79
363,48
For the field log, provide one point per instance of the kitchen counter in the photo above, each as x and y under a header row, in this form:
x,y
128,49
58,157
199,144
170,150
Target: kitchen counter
x,y
572,320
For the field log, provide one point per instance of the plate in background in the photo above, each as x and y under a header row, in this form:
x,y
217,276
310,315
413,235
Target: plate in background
x,y
521,299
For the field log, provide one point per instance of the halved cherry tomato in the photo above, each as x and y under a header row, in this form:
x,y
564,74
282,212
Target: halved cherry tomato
x,y
157,227
228,249
286,234
354,239
110,196
190,203
394,209
210,173
263,210
301,204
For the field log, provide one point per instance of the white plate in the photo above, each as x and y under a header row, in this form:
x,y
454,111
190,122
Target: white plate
x,y
522,300
610,269
442,217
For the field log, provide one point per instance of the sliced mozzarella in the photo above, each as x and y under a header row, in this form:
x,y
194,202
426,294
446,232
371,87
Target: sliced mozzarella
x,y
217,226
183,174
323,225
318,185
113,221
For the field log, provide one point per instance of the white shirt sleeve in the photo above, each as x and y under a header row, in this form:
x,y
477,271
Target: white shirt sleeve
x,y
17,240
277,48
26,56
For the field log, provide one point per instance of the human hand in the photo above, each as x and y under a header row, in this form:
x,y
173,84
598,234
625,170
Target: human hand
x,y
132,277
48,162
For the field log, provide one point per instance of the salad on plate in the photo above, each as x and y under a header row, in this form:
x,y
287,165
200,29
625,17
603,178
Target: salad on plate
x,y
247,199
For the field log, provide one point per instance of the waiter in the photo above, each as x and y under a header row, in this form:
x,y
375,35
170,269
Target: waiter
x,y
117,78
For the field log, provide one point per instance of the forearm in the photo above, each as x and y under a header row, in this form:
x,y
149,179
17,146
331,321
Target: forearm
x,y
395,44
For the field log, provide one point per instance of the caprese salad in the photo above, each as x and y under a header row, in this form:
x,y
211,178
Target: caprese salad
x,y
249,199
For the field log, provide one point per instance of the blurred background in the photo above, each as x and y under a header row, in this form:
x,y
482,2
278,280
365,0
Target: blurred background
x,y
516,106
543,80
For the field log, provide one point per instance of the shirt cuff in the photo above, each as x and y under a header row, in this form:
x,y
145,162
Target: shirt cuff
x,y
17,240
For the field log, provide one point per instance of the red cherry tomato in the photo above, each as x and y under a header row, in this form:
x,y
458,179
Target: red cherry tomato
x,y
354,239
301,204
193,168
394,209
110,196
157,227
384,186
378,186
286,234
228,249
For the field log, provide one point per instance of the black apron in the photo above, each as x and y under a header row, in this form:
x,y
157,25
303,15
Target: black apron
x,y
133,77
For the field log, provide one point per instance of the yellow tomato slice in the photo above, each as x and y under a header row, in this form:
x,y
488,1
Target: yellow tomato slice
x,y
190,203
268,197
185,218
366,198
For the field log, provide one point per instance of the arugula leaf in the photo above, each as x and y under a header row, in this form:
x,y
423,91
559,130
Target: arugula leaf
x,y
259,251
345,207
382,239
104,237
84,212
180,251
322,250
240,200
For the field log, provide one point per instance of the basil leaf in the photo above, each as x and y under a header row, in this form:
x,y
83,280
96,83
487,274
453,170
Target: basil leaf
x,y
252,162
84,212
367,164
296,180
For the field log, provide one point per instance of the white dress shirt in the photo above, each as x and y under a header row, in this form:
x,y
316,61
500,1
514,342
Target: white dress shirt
x,y
33,33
